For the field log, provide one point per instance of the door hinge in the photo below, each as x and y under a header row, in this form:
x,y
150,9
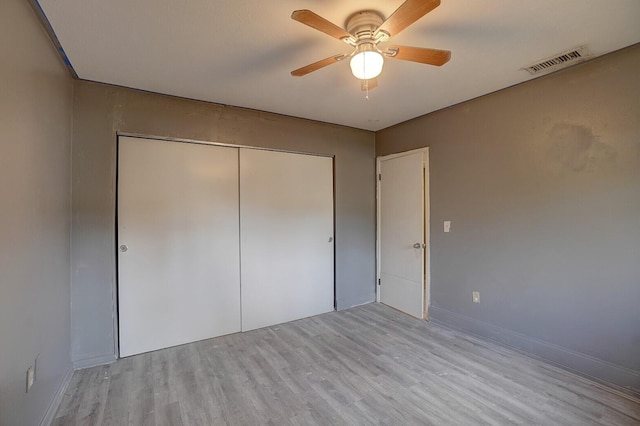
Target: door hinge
x,y
379,176
379,283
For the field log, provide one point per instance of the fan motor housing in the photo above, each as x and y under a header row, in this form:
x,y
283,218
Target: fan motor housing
x,y
364,24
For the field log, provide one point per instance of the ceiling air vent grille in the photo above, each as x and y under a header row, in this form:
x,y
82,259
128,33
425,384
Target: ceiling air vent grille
x,y
557,62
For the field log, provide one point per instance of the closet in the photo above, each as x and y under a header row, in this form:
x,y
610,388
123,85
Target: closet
x,y
214,240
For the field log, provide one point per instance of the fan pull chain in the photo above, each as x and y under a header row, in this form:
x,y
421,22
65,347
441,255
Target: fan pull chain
x,y
366,81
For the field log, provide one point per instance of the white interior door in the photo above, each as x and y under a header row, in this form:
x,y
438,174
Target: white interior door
x,y
286,222
402,239
178,280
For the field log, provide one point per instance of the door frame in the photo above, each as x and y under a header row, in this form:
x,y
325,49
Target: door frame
x,y
426,290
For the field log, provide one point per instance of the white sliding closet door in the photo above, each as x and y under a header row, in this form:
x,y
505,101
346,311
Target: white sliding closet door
x,y
178,243
286,223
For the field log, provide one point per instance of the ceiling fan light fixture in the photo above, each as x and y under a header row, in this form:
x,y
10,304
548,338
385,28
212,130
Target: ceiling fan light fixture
x,y
366,29
367,62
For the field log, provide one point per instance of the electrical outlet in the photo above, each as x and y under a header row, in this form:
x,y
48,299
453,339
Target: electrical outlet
x,y
31,377
476,297
447,226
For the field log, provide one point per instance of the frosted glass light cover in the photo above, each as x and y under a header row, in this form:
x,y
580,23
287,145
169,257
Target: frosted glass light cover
x,y
366,65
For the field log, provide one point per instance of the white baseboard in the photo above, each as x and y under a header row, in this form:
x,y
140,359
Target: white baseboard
x,y
342,305
49,415
79,364
615,376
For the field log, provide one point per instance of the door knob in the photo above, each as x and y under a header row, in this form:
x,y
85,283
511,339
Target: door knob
x,y
419,245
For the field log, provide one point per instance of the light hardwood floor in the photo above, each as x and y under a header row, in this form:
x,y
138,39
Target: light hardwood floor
x,y
366,365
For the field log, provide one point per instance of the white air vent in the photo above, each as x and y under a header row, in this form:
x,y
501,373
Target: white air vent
x,y
559,61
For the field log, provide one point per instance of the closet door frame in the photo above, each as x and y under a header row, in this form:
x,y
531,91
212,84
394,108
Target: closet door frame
x,y
116,330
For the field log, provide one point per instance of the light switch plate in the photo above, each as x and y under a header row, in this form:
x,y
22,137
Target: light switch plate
x,y
476,297
447,226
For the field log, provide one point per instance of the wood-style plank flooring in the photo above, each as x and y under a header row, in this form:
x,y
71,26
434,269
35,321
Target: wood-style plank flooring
x,y
366,365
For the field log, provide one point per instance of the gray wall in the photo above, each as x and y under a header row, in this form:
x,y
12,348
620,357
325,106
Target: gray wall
x,y
101,111
35,179
542,184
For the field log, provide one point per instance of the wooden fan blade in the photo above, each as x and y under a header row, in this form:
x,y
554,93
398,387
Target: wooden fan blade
x,y
372,83
408,13
317,65
419,54
313,20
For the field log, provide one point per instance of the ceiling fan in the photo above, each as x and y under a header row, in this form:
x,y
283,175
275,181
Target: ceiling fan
x,y
364,31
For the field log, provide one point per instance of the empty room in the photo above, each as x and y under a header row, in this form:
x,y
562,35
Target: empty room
x,y
374,212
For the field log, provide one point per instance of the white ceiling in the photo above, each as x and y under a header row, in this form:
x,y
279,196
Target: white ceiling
x,y
241,52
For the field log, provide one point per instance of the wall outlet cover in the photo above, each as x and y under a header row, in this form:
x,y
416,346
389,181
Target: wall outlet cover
x,y
476,297
447,226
